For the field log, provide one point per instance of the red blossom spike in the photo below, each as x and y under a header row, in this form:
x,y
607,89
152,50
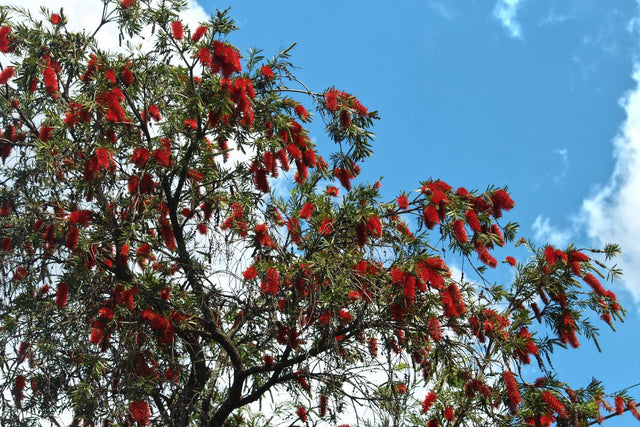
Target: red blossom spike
x,y
199,33
6,74
428,401
177,31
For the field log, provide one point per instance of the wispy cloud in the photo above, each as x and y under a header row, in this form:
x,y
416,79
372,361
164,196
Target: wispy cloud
x,y
506,11
441,9
561,172
554,18
544,232
612,214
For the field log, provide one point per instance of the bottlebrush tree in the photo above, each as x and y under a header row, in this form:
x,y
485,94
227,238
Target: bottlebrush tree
x,y
151,275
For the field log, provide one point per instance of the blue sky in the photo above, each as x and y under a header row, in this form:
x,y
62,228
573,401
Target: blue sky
x,y
539,95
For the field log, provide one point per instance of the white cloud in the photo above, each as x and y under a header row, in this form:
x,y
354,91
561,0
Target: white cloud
x,y
86,15
441,9
554,18
506,11
612,214
544,232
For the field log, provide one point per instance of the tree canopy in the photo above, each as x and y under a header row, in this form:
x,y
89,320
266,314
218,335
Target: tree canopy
x,y
175,250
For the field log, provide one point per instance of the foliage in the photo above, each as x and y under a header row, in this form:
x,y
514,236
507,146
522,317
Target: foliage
x,y
151,274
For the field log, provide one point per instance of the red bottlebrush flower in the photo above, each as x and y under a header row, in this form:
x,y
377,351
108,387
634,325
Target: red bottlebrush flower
x,y
578,256
127,76
204,55
430,216
409,290
485,256
126,297
472,220
619,402
294,151
463,192
154,113
97,333
428,401
333,191
6,44
397,312
262,236
6,74
459,231
18,389
592,281
434,329
345,119
511,261
374,227
77,113
268,360
167,235
81,217
140,157
271,282
72,238
401,388
250,273
307,210
309,158
190,124
360,109
372,344
501,201
575,268
226,59
355,295
22,351
62,294
322,405
512,390
50,81
302,414
110,76
331,99
326,227
5,245
111,101
194,175
267,72
301,112
553,403
550,255
162,155
45,132
199,33
403,202
449,415
139,409
177,30
105,313
104,158
126,4
165,294
325,318
344,177
345,316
